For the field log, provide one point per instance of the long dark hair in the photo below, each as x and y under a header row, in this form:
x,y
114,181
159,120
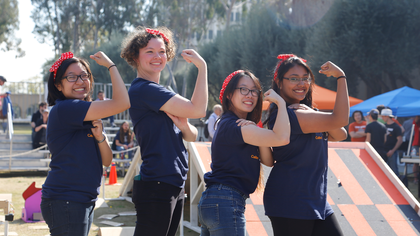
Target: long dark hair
x,y
357,111
123,133
255,115
282,69
53,92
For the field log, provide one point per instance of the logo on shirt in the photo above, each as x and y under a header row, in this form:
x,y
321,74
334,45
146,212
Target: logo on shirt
x,y
255,157
90,135
176,129
318,137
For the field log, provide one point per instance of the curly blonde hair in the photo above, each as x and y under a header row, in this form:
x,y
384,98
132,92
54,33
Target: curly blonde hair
x,y
139,38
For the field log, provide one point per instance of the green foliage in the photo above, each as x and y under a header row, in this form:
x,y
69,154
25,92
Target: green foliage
x,y
373,41
9,22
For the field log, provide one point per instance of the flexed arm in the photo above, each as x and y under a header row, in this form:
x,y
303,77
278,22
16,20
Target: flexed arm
x,y
119,101
312,121
196,108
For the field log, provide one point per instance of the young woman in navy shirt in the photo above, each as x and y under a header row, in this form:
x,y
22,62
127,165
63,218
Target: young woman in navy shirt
x,y
295,197
77,144
124,139
236,152
159,117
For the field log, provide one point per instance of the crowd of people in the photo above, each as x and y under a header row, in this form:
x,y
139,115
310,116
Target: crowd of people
x,y
387,136
295,195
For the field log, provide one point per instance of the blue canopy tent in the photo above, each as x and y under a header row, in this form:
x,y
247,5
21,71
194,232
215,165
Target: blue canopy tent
x,y
404,102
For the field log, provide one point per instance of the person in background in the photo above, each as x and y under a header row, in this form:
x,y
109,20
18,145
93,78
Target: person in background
x,y
415,145
211,122
101,97
295,196
357,128
380,108
124,139
160,120
376,133
35,117
7,100
41,130
393,140
79,147
2,81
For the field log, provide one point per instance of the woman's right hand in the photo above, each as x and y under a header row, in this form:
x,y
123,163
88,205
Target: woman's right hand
x,y
190,55
273,97
102,59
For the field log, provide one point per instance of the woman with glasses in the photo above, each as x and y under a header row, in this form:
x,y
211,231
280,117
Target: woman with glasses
x,y
238,148
159,117
77,144
295,196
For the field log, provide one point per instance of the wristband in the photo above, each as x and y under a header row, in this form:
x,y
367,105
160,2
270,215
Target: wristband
x,y
102,139
341,77
111,66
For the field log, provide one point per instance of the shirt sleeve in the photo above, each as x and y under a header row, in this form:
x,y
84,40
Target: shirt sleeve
x,y
73,113
152,95
351,127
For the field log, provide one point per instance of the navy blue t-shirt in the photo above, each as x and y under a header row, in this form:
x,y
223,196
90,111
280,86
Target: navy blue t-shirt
x,y
163,152
297,185
76,163
234,162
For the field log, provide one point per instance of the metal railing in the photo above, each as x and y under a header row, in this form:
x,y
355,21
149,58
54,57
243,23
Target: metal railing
x,y
26,96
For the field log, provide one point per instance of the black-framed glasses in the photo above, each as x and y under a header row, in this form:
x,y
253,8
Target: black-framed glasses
x,y
74,78
296,80
245,91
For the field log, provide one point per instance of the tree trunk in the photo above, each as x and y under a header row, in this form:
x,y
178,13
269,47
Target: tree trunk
x,y
76,27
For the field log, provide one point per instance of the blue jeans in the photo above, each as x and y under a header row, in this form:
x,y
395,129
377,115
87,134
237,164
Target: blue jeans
x,y
393,164
221,211
66,217
130,153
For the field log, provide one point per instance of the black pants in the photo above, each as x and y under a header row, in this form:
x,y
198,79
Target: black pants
x,y
158,206
296,227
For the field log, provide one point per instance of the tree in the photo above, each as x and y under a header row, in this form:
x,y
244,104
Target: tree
x,y
9,22
72,25
373,41
253,45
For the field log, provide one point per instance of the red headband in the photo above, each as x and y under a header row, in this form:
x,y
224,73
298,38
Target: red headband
x,y
157,32
57,64
282,58
226,82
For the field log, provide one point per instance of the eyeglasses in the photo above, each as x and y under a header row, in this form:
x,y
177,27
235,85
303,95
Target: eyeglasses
x,y
73,78
245,91
296,80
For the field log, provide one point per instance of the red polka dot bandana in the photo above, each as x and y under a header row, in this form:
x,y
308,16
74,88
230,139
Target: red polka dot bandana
x,y
282,58
157,32
226,82
60,60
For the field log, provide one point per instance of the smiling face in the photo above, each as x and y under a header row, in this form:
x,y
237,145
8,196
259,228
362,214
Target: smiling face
x,y
357,117
75,90
243,104
152,58
294,93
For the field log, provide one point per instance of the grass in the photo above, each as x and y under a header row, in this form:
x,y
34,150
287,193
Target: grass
x,y
17,182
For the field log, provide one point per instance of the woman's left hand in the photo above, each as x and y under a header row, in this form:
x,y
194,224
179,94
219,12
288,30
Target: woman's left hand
x,y
243,122
180,122
97,130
